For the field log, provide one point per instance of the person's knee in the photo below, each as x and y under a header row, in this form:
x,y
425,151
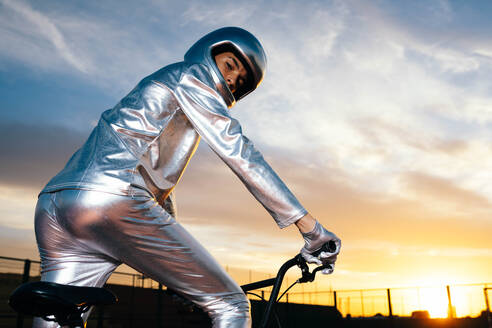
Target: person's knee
x,y
230,311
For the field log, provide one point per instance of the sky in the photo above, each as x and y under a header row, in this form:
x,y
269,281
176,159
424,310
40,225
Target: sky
x,y
376,114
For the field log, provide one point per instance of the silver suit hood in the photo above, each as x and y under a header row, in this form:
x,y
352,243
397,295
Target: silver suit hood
x,y
243,44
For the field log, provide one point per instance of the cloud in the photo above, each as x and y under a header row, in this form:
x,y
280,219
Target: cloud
x,y
339,203
381,133
484,51
397,249
38,32
94,48
32,154
19,243
224,11
17,206
442,193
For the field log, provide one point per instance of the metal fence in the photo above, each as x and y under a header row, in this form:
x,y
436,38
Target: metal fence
x,y
452,301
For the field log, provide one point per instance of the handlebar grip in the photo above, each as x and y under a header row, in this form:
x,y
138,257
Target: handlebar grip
x,y
329,247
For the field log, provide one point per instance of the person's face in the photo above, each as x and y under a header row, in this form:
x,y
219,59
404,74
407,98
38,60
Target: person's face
x,y
232,70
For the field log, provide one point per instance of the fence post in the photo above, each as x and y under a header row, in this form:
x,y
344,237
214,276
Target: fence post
x,y
362,302
450,305
27,269
390,307
348,305
487,305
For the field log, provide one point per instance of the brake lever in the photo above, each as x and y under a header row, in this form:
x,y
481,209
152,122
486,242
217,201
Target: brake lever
x,y
306,275
309,276
322,267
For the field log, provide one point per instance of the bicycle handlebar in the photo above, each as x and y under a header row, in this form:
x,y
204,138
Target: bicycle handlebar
x,y
307,276
298,260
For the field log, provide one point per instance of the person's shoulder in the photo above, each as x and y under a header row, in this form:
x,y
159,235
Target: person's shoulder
x,y
200,71
174,74
168,75
200,75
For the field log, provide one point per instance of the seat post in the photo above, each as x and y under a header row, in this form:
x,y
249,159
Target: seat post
x,y
73,320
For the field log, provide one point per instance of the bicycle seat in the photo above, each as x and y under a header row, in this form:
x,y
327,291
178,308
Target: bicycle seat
x,y
43,299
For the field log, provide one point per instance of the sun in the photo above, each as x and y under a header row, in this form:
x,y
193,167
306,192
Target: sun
x,y
435,301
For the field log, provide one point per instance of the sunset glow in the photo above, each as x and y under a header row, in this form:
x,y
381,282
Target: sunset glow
x,y
435,301
377,115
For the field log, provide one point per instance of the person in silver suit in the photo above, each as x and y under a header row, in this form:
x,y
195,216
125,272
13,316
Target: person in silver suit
x,y
113,202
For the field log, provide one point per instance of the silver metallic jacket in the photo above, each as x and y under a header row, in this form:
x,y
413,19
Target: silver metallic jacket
x,y
146,141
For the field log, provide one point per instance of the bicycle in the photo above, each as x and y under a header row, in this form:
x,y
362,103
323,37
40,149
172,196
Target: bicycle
x,y
65,304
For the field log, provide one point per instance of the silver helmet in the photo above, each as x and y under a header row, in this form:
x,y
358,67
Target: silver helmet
x,y
244,45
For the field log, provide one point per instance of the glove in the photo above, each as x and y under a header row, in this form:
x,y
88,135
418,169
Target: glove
x,y
314,240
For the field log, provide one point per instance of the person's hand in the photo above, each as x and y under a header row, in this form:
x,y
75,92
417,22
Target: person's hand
x,y
314,241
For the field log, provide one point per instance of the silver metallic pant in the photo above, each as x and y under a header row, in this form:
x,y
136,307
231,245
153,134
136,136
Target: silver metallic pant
x,y
84,235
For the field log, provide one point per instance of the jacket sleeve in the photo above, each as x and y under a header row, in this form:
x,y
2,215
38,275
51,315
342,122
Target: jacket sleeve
x,y
208,113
